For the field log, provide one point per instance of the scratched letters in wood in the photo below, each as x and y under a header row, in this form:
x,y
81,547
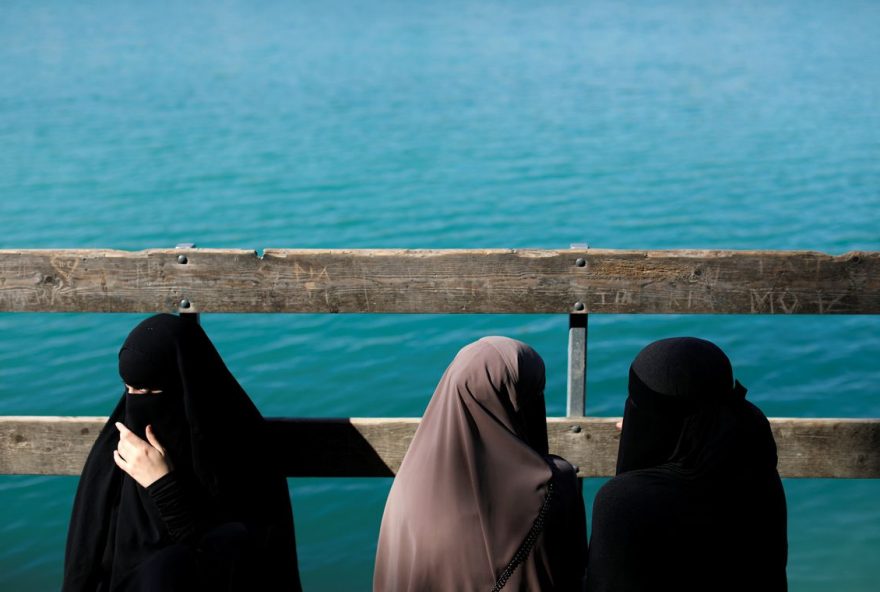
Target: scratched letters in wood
x,y
451,281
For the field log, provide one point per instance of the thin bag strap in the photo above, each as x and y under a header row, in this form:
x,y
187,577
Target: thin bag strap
x,y
526,547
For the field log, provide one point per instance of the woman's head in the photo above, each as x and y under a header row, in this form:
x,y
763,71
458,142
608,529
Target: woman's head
x,y
686,368
149,367
670,381
506,377
148,359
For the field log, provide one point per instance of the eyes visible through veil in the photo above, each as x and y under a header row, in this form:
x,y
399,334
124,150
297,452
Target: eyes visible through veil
x,y
141,391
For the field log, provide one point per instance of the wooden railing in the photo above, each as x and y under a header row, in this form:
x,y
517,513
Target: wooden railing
x,y
575,282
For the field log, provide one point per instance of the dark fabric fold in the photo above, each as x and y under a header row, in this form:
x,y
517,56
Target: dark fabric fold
x,y
176,507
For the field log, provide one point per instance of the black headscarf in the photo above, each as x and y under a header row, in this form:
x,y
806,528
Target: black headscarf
x,y
697,503
233,509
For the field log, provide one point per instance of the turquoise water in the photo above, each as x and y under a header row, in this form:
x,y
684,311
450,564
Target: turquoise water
x,y
439,124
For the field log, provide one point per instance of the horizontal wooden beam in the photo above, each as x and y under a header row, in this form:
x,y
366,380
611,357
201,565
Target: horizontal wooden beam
x,y
448,281
846,448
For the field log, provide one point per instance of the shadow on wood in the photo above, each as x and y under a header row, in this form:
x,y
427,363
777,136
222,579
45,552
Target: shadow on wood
x,y
325,448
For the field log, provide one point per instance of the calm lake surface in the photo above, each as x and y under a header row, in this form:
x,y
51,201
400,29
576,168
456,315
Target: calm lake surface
x,y
350,124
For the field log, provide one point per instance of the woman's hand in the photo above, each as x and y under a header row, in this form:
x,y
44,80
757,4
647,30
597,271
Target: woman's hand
x,y
144,461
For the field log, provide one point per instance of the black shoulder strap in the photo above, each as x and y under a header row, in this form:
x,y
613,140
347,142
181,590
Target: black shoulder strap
x,y
526,547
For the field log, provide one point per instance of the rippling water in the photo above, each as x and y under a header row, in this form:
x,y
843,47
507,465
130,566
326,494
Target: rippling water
x,y
439,124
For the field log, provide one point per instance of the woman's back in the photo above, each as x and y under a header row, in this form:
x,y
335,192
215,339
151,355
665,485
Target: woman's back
x,y
478,504
697,503
653,531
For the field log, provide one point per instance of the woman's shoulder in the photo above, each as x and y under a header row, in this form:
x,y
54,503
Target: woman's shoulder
x,y
642,484
564,479
561,467
620,488
637,497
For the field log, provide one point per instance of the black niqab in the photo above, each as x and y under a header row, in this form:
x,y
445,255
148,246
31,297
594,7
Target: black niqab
x,y
697,503
236,507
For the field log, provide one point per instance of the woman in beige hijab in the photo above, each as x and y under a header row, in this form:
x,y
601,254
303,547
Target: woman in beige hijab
x,y
478,503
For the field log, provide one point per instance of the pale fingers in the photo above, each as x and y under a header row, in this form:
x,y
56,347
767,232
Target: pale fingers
x,y
130,444
127,449
144,461
123,429
129,436
151,438
120,462
142,467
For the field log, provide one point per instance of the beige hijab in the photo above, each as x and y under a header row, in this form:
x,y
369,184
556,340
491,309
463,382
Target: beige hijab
x,y
464,508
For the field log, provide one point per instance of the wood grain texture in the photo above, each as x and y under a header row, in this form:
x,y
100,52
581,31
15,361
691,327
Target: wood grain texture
x,y
448,281
842,448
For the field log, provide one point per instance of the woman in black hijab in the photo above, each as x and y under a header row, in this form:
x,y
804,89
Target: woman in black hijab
x,y
176,493
697,503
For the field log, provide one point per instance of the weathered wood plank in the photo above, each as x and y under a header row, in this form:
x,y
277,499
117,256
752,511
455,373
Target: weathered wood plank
x,y
845,448
450,281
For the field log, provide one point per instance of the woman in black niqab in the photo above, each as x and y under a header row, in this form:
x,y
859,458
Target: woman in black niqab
x,y
220,519
697,503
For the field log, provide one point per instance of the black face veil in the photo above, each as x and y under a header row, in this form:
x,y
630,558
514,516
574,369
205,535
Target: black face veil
x,y
674,384
215,438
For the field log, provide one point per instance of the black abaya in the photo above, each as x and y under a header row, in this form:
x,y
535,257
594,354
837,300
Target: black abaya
x,y
221,519
697,503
